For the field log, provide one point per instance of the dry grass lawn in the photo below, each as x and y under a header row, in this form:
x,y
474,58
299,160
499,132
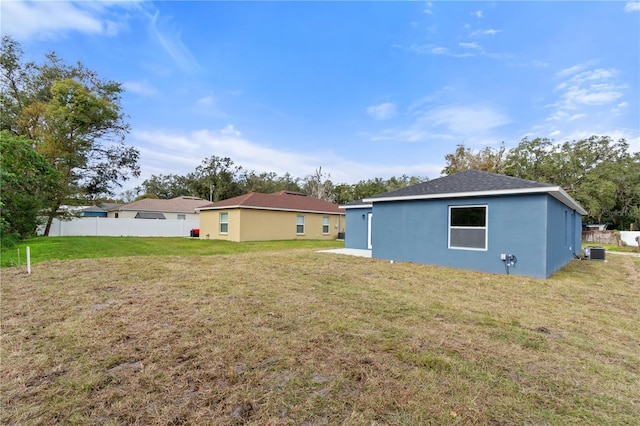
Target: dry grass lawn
x,y
304,338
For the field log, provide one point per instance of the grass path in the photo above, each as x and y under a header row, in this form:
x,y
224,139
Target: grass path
x,y
62,248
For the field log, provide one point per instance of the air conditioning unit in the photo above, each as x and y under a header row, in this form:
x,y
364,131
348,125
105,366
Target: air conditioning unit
x,y
594,253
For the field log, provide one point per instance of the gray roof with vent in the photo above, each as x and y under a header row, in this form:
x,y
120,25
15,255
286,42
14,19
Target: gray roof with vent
x,y
150,215
466,181
474,183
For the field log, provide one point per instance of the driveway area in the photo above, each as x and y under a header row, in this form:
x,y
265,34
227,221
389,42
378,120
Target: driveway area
x,y
350,252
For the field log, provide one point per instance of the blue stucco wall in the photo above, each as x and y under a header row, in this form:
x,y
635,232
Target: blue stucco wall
x,y
417,231
356,228
564,235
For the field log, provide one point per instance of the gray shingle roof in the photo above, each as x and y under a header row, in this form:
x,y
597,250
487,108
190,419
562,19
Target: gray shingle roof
x,y
466,181
178,204
472,183
150,215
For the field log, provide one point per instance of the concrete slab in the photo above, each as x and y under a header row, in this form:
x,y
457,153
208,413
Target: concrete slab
x,y
350,252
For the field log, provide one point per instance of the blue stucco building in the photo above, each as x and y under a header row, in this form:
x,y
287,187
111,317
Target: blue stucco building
x,y
471,220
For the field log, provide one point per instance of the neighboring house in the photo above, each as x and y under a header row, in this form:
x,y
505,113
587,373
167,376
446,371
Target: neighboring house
x,y
471,220
180,208
93,211
284,215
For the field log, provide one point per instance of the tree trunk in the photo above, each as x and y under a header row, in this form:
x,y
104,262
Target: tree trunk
x,y
50,216
49,222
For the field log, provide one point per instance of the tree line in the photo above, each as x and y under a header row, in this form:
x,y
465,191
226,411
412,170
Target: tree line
x,y
62,142
219,178
598,172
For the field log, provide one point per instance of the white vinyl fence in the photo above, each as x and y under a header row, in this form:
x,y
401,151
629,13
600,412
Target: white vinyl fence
x,y
629,237
107,227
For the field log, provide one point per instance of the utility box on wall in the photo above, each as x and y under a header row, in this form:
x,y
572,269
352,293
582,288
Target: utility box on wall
x,y
594,253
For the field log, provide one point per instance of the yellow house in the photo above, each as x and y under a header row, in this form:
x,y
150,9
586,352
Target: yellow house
x,y
284,215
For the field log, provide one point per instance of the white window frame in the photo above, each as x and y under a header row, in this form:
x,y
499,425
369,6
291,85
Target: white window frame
x,y
298,220
326,219
485,227
182,217
226,214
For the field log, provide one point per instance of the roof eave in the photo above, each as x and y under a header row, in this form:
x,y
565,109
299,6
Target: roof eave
x,y
566,199
154,210
268,208
357,206
555,191
463,194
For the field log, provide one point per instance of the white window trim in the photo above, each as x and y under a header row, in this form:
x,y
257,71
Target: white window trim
x,y
486,228
297,224
328,225
220,222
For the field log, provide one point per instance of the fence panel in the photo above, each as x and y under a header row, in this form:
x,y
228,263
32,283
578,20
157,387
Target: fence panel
x,y
100,226
611,237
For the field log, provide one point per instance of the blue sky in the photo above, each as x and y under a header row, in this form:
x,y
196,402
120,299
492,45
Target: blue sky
x,y
362,89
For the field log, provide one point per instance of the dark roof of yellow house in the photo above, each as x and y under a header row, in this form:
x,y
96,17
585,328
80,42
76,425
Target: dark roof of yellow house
x,y
283,200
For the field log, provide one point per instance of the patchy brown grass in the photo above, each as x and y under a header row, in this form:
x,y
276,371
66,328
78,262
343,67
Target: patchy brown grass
x,y
304,338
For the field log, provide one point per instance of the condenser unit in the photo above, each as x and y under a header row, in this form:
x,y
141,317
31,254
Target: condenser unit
x,y
594,253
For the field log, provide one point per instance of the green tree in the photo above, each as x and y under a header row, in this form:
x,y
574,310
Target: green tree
x,y
535,159
597,171
165,186
319,185
27,180
487,159
215,179
75,119
267,182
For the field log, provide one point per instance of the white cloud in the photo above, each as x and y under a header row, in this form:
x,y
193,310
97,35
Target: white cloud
x,y
596,94
438,50
171,43
465,120
205,101
588,101
539,63
575,69
488,32
470,45
477,14
25,20
382,111
474,124
430,49
632,6
427,9
588,87
176,152
140,87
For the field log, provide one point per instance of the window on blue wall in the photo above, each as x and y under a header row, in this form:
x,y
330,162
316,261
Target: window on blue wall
x,y
468,227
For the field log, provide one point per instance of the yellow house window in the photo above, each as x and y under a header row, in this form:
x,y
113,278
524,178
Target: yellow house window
x,y
300,225
224,223
325,224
